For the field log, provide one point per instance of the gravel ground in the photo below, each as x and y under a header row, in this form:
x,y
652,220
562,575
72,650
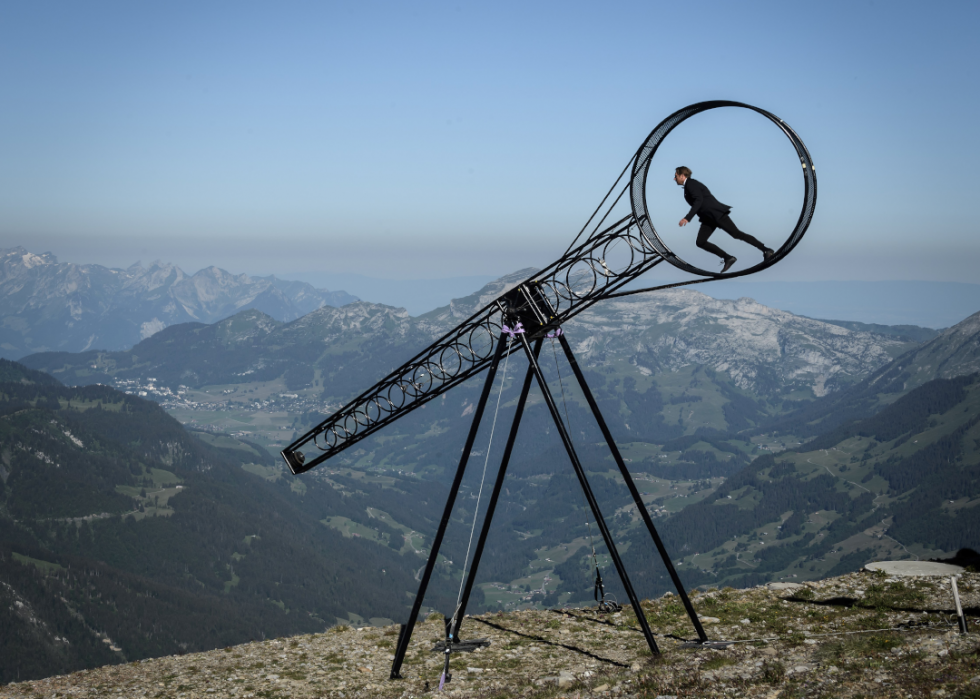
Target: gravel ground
x,y
858,635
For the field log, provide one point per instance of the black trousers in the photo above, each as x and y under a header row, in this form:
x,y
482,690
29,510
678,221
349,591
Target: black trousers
x,y
726,224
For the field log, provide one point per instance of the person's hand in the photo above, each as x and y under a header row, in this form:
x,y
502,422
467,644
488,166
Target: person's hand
x,y
683,222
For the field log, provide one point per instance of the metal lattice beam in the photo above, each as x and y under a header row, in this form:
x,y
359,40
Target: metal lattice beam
x,y
593,270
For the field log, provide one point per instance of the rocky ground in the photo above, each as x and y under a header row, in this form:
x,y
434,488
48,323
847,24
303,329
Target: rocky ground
x,y
859,635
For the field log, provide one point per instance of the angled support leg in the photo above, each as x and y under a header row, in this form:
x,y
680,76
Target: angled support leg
x,y
640,506
406,635
492,506
590,497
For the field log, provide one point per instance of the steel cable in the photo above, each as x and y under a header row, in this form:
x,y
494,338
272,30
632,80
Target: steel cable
x,y
476,510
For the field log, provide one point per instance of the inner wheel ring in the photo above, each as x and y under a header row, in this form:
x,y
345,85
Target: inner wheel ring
x,y
644,158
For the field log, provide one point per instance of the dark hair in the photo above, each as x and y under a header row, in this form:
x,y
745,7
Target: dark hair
x,y
686,171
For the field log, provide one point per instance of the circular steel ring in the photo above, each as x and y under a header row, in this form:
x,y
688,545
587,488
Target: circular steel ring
x,y
641,166
609,249
371,410
485,336
549,290
394,393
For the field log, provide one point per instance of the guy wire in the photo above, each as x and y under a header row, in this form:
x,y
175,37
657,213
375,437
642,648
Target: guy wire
x,y
592,217
476,510
568,426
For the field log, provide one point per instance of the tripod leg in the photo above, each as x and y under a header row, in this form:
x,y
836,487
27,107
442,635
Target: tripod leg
x,y
497,487
590,497
641,508
450,502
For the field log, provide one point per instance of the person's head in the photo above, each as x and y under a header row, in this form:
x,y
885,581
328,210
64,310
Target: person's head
x,y
681,174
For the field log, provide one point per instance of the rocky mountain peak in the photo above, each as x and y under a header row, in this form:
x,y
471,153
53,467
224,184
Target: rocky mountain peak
x,y
763,349
962,333
955,352
159,275
361,318
246,326
27,260
50,306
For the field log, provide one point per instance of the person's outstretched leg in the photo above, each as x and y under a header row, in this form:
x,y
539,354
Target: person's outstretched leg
x,y
706,230
726,224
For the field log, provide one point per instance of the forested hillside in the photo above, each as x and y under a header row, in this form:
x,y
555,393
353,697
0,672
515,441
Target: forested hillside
x,y
698,362
742,493
954,352
123,537
902,483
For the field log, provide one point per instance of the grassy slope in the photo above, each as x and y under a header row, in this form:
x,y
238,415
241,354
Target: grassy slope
x,y
904,483
117,524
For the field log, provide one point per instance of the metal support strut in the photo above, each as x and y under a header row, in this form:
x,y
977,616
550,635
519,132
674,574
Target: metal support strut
x,y
590,497
406,634
640,506
534,372
587,273
497,487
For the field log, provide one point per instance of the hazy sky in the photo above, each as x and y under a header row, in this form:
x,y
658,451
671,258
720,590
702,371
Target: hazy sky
x,y
420,140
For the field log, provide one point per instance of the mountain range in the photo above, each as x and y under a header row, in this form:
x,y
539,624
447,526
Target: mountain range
x,y
47,305
766,445
123,536
337,352
936,304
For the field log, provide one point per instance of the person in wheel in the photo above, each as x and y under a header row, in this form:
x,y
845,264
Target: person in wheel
x,y
713,215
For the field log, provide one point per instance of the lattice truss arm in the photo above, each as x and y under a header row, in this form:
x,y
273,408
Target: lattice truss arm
x,y
588,272
540,304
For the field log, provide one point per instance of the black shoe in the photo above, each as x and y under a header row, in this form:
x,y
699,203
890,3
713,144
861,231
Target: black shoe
x,y
767,253
729,261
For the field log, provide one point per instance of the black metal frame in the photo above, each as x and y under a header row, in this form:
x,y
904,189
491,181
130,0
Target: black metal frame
x,y
534,372
430,565
541,304
576,281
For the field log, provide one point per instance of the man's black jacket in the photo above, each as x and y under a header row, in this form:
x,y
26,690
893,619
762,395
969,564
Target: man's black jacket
x,y
708,209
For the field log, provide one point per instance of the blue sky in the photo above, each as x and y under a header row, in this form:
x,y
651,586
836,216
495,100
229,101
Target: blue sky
x,y
423,140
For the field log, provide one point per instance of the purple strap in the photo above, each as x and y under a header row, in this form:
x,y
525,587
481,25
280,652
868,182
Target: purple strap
x,y
518,330
557,333
442,681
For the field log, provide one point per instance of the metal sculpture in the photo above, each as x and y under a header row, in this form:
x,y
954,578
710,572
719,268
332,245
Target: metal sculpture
x,y
588,272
